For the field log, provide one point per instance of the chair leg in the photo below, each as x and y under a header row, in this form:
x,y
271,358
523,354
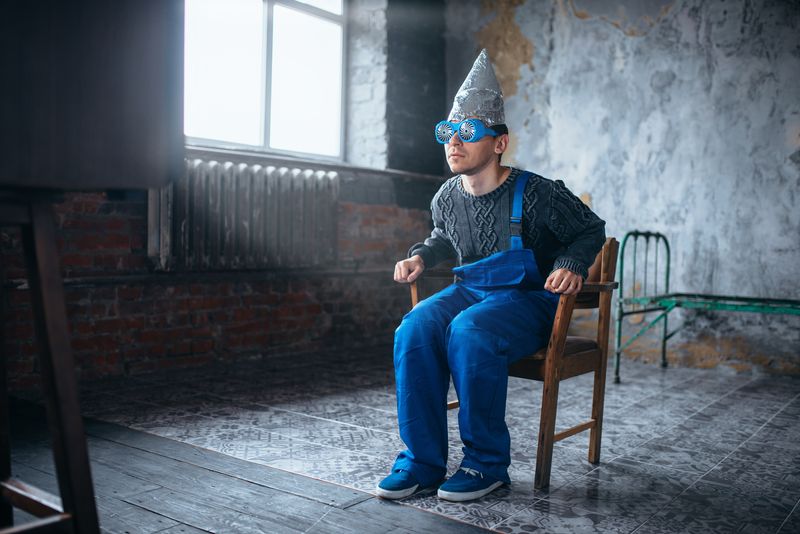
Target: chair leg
x,y
598,402
547,428
58,370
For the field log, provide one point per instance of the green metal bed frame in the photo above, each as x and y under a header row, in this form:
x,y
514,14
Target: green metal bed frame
x,y
645,297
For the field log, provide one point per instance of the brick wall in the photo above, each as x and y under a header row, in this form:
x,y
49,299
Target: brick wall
x,y
125,318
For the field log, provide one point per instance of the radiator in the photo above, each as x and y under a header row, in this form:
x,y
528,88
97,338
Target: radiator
x,y
221,216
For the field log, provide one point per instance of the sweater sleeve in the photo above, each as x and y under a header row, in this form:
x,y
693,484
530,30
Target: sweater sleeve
x,y
436,248
577,227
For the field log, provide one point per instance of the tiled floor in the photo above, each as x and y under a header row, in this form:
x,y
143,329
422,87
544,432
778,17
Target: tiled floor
x,y
684,450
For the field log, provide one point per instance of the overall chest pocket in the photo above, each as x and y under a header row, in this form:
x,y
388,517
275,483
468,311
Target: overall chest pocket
x,y
512,268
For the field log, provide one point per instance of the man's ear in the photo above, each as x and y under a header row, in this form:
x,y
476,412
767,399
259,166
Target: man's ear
x,y
500,143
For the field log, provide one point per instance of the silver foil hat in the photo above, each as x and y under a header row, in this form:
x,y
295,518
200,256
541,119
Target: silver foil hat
x,y
480,95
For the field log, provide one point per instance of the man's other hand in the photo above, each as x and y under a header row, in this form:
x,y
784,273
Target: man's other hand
x,y
406,271
563,281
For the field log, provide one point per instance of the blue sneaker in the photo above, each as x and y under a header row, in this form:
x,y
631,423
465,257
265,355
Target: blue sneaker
x,y
399,484
468,484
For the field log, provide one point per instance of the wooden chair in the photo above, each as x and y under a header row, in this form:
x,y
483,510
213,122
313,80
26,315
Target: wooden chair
x,y
568,356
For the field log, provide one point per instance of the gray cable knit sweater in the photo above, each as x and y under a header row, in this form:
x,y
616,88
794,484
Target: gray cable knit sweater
x,y
560,229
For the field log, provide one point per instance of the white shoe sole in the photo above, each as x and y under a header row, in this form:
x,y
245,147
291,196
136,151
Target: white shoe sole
x,y
396,494
460,496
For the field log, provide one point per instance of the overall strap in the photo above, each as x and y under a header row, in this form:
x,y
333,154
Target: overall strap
x,y
515,226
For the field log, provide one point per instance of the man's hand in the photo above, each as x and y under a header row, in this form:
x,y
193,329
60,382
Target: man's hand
x,y
563,281
406,271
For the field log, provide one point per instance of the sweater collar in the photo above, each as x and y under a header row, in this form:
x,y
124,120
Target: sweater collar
x,y
494,193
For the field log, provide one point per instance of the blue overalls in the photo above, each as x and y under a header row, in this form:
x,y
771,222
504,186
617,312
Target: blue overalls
x,y
496,313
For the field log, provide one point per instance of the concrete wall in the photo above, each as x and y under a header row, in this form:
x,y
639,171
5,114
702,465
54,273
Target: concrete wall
x,y
680,117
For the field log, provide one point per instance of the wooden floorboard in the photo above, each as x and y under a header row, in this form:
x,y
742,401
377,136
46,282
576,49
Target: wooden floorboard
x,y
147,484
183,529
277,479
375,515
107,481
117,515
209,515
207,487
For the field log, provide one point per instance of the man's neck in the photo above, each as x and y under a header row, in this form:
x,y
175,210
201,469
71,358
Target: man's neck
x,y
485,181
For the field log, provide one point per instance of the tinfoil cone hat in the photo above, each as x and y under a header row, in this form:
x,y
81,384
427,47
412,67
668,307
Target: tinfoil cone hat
x,y
480,95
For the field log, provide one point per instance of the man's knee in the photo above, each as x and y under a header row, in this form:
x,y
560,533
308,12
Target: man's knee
x,y
430,310
471,341
473,325
416,341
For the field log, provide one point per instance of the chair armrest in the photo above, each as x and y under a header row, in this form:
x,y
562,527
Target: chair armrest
x,y
437,273
598,287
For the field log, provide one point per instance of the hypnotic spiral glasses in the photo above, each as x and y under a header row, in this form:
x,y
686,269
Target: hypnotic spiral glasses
x,y
468,130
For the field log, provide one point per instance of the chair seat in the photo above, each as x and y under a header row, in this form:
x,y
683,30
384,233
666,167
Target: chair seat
x,y
574,345
532,367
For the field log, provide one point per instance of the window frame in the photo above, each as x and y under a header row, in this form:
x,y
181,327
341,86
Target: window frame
x,y
266,87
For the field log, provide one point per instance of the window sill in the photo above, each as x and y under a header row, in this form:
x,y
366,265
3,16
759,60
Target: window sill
x,y
260,157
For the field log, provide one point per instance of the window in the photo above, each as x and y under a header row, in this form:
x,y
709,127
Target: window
x,y
265,74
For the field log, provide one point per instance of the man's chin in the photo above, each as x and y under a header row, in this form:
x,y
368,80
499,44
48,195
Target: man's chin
x,y
455,166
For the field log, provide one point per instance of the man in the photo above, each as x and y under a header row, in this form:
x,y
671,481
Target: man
x,y
505,227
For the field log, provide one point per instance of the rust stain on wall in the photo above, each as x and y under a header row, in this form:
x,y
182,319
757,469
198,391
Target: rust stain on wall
x,y
708,351
630,26
508,47
580,13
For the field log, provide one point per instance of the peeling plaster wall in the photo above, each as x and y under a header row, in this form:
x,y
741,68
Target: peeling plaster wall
x,y
680,117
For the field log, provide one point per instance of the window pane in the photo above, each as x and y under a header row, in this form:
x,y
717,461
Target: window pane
x,y
305,113
223,70
334,6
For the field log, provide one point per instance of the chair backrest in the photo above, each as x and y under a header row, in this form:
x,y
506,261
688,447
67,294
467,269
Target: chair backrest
x,y
608,259
602,270
608,271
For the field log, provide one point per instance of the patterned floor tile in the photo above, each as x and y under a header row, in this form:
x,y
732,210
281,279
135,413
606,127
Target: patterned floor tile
x,y
714,428
707,507
181,428
691,461
624,489
792,408
781,432
362,416
772,455
561,518
355,470
475,512
740,471
791,523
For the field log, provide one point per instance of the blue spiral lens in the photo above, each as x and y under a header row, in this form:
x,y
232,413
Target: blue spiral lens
x,y
467,129
444,132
